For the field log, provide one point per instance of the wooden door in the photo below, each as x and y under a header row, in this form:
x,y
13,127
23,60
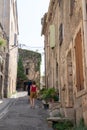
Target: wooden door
x,y
79,62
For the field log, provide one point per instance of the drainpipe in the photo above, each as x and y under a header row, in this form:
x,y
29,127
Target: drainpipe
x,y
84,8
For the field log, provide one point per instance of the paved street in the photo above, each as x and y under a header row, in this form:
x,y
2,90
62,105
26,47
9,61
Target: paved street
x,y
21,117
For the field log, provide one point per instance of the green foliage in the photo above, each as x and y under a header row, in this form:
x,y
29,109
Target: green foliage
x,y
37,66
56,97
2,42
81,126
34,56
42,90
20,71
66,125
48,94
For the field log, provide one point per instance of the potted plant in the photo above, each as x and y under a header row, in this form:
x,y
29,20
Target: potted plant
x,y
56,96
47,96
45,99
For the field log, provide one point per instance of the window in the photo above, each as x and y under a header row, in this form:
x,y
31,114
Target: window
x,y
57,70
56,74
72,2
61,34
27,63
1,26
27,71
86,9
2,68
15,39
59,1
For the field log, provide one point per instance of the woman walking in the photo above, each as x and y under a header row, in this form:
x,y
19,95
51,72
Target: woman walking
x,y
33,94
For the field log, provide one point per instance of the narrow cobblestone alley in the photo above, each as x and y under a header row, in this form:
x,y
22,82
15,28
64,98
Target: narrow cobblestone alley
x,y
21,117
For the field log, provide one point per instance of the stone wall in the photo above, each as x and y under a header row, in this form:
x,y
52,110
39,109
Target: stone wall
x,y
3,53
68,21
31,62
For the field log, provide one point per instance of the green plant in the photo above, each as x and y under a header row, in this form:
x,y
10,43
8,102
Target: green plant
x,y
2,42
56,97
44,95
20,71
48,94
66,125
80,126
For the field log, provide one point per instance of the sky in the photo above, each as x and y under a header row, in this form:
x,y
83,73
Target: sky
x,y
30,13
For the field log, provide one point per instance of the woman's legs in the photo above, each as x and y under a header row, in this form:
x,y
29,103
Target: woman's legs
x,y
33,102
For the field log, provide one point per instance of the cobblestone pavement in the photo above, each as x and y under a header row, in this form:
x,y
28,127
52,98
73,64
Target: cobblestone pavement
x,y
22,117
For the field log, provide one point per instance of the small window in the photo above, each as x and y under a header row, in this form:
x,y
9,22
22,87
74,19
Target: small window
x,y
57,70
86,10
1,26
2,68
15,39
59,1
4,49
61,34
27,63
86,7
27,71
72,2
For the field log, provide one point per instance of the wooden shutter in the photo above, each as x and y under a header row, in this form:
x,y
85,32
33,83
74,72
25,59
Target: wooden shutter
x,y
79,62
52,36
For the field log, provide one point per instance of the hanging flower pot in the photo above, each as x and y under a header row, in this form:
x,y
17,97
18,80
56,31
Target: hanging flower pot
x,y
2,42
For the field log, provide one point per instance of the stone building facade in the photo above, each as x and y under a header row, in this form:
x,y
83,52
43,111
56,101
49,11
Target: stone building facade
x,y
9,21
31,62
3,53
65,28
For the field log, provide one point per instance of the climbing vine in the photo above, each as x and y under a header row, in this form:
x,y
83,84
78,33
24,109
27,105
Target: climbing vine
x,y
20,71
2,42
34,56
